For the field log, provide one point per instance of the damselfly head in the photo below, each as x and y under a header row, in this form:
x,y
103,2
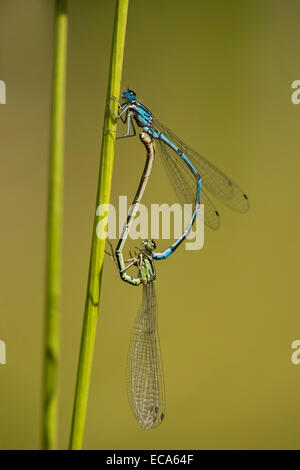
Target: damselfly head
x,y
129,95
149,244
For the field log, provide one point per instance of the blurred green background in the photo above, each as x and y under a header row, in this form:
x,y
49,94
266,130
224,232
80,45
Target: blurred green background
x,y
219,75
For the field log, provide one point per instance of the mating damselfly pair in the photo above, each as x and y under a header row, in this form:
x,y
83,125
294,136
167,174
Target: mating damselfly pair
x,y
192,176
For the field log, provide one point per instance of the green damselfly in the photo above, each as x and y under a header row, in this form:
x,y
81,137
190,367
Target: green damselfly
x,y
144,376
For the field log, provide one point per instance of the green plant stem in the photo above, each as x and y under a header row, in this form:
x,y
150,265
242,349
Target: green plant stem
x,y
98,244
54,232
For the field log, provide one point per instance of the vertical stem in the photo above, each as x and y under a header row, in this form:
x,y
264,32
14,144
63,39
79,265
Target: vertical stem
x,y
98,244
54,233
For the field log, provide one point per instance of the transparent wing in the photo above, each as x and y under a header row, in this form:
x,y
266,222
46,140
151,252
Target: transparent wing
x,y
185,185
213,179
145,382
